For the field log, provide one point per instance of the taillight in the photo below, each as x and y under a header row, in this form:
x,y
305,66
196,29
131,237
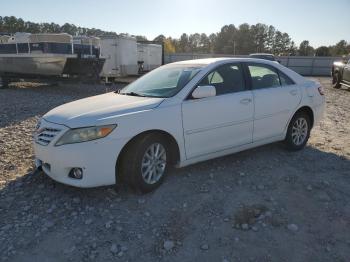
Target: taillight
x,y
321,90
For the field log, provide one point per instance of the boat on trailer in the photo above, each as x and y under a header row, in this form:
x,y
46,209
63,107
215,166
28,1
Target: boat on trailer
x,y
26,55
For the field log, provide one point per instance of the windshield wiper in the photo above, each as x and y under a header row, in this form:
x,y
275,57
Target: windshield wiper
x,y
132,94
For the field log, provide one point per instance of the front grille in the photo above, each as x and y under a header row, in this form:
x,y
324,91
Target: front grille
x,y
46,135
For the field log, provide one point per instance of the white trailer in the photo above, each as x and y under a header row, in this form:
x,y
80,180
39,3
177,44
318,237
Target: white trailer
x,y
150,55
120,53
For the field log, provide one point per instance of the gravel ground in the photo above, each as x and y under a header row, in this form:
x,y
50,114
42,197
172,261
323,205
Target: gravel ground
x,y
265,204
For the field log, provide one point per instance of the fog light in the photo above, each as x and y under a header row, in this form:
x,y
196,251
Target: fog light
x,y
76,173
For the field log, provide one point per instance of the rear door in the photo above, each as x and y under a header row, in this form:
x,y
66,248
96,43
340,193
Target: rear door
x,y
276,97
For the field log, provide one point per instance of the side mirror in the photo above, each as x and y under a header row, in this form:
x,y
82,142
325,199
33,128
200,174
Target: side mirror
x,y
204,91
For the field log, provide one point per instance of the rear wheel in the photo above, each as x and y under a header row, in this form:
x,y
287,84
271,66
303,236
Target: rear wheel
x,y
336,81
4,82
145,162
298,131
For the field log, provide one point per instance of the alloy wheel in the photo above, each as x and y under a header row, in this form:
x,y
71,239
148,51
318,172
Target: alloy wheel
x,y
299,131
153,163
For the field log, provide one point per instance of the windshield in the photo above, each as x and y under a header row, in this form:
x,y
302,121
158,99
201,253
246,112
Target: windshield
x,y
164,81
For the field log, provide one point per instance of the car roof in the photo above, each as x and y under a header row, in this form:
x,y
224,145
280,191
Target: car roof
x,y
267,54
219,60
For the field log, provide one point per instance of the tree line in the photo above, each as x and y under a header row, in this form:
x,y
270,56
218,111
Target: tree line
x,y
241,40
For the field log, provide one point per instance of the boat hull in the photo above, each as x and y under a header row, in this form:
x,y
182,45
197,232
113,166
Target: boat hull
x,y
41,65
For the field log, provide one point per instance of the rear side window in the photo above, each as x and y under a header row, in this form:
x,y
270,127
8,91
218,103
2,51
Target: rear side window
x,y
263,76
226,79
285,80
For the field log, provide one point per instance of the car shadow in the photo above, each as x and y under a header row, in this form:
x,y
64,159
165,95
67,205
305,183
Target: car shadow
x,y
270,157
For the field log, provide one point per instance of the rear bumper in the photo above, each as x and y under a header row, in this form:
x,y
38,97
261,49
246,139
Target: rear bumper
x,y
96,158
319,111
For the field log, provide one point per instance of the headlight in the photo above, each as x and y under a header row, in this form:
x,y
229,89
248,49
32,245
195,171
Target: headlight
x,y
85,134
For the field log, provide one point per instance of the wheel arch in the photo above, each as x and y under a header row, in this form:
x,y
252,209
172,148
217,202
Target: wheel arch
x,y
173,143
308,110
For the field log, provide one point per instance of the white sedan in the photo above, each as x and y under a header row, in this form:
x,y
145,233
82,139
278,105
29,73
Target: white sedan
x,y
178,114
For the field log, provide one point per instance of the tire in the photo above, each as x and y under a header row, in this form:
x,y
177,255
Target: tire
x,y
336,81
4,83
133,166
298,134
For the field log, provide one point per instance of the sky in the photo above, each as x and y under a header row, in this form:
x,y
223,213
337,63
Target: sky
x,y
322,22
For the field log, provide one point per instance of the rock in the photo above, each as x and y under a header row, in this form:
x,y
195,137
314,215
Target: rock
x,y
168,245
88,221
49,224
205,247
261,187
26,208
245,226
6,227
268,214
108,224
141,201
293,227
114,249
120,254
323,196
76,200
211,175
254,228
309,188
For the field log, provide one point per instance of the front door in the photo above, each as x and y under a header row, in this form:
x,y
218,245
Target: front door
x,y
276,97
226,120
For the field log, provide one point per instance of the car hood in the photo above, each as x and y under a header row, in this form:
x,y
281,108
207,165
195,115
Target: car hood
x,y
98,110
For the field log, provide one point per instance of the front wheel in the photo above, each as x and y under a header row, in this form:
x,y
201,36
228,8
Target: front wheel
x,y
336,81
298,132
145,162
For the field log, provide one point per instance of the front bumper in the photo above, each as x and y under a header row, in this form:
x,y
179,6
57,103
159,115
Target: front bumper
x,y
96,158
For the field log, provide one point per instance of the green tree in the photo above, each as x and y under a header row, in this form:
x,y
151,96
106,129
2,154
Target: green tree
x,y
340,48
183,44
322,51
305,49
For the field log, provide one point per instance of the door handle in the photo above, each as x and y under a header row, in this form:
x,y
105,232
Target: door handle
x,y
245,101
293,92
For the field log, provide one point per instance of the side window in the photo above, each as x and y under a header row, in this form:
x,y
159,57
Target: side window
x,y
215,78
226,79
263,76
285,80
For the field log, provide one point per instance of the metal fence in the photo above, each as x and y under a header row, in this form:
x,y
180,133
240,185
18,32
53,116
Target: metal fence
x,y
304,65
